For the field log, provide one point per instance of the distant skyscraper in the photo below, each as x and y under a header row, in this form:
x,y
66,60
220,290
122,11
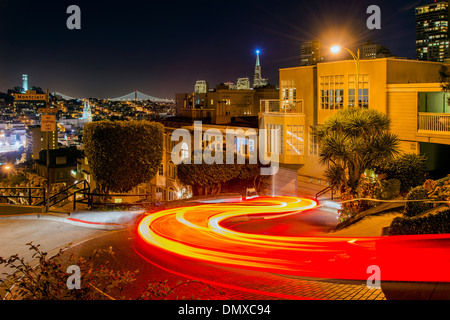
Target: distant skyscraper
x,y
243,84
25,82
201,86
258,81
310,53
432,32
371,50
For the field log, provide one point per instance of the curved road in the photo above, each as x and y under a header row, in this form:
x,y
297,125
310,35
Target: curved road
x,y
205,234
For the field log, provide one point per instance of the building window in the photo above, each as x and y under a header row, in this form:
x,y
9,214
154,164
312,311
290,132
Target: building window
x,y
313,143
251,145
240,145
61,160
160,193
363,91
184,151
289,101
170,144
294,140
172,194
172,170
332,92
275,141
161,170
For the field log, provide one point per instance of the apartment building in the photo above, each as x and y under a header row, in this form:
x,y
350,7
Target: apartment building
x,y
409,91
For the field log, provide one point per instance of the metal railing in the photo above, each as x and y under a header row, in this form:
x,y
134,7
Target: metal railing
x,y
26,196
79,193
281,106
324,191
64,194
94,200
435,122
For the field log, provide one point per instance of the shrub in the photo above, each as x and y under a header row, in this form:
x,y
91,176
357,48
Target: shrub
x,y
48,281
438,190
408,168
416,207
351,208
390,189
368,187
432,224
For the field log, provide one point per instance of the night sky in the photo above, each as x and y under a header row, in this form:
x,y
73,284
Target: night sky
x,y
161,48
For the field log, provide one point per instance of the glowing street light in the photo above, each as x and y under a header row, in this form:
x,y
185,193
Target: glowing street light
x,y
335,50
8,170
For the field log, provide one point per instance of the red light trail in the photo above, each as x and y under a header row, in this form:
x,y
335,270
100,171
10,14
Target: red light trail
x,y
197,233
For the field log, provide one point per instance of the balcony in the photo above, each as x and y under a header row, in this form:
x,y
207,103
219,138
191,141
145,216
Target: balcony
x,y
286,116
434,122
281,106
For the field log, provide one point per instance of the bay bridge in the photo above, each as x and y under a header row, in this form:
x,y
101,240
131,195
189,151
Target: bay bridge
x,y
132,96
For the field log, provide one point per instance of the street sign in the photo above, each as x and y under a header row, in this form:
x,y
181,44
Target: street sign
x,y
48,122
29,97
47,110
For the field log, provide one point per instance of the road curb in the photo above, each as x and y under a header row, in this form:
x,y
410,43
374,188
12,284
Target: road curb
x,y
81,219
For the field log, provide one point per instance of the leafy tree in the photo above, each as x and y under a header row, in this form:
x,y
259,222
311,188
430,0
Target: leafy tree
x,y
38,90
353,140
203,177
123,154
14,90
444,78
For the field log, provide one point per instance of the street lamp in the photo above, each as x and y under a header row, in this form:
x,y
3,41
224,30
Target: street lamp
x,y
8,170
335,50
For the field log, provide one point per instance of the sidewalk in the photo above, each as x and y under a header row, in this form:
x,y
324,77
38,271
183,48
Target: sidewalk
x,y
56,230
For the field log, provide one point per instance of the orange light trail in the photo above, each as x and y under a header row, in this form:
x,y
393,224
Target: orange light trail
x,y
198,233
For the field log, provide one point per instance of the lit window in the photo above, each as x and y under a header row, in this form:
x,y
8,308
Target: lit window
x,y
363,91
332,92
313,143
294,140
184,151
273,144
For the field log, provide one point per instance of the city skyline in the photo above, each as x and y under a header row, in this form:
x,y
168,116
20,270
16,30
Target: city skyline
x,y
234,151
166,52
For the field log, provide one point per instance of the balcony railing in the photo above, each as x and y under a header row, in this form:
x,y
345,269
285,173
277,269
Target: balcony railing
x,y
283,106
436,122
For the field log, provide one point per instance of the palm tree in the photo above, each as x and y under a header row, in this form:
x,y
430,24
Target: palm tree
x,y
353,140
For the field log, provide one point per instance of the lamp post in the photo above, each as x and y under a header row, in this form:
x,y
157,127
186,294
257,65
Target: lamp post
x,y
336,49
8,170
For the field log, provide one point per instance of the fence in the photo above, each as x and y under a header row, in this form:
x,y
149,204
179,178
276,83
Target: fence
x,y
437,122
17,193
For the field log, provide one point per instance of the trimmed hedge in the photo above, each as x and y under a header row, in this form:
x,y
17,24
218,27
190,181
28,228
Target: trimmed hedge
x,y
408,168
431,224
414,208
419,193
